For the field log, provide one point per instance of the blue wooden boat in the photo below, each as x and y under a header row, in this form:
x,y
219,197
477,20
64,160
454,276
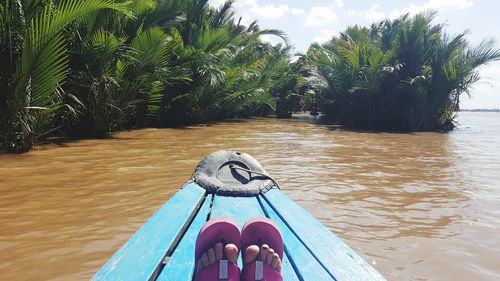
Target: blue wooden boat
x,y
232,184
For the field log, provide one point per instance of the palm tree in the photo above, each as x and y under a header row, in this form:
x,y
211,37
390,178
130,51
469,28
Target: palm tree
x,y
121,65
225,58
406,74
33,49
86,68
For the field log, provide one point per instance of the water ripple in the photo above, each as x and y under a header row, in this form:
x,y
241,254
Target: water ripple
x,y
421,206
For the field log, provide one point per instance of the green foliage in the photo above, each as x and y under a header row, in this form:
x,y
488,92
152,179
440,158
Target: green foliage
x,y
33,48
85,68
229,65
406,74
76,68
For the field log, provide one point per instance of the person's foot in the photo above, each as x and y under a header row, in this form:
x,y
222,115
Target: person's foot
x,y
217,253
263,253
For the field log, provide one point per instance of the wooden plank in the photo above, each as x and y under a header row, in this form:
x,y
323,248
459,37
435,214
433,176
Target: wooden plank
x,y
141,256
306,265
180,266
242,209
288,272
338,258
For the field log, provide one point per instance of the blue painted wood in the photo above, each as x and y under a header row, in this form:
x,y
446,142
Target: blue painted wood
x,y
242,209
140,257
338,258
306,265
288,272
180,266
312,252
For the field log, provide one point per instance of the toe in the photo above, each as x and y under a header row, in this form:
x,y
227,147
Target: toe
x,y
275,260
219,251
199,266
278,266
204,260
211,256
269,257
231,252
251,253
263,252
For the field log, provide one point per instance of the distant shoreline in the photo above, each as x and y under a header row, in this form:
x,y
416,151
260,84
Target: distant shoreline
x,y
480,110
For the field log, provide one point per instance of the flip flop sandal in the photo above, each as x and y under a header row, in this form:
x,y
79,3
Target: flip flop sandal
x,y
261,231
214,231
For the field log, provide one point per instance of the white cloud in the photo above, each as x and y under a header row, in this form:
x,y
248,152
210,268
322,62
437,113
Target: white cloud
x,y
271,11
351,12
455,4
320,16
245,3
297,12
374,13
432,5
267,38
339,3
216,3
254,9
326,34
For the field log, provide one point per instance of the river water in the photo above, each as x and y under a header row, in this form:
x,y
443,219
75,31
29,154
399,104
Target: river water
x,y
423,206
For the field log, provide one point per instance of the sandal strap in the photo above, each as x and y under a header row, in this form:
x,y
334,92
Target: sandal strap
x,y
223,270
259,270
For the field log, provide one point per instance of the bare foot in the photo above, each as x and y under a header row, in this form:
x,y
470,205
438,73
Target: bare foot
x,y
263,253
217,253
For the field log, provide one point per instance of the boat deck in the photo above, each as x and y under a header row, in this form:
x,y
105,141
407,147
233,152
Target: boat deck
x,y
163,248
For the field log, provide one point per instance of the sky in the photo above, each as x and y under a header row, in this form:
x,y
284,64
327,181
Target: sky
x,y
307,21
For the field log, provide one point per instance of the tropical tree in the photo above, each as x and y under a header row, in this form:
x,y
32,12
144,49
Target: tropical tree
x,y
226,59
120,67
86,68
34,61
405,74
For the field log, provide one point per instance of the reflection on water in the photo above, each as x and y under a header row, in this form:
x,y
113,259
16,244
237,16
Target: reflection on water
x,y
419,206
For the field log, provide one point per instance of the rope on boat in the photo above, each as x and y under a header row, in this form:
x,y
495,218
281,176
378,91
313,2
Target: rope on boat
x,y
216,173
236,167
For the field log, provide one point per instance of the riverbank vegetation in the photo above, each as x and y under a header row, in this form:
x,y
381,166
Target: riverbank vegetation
x,y
78,69
406,74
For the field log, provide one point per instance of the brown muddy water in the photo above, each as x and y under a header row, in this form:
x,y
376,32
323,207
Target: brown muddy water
x,y
422,206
